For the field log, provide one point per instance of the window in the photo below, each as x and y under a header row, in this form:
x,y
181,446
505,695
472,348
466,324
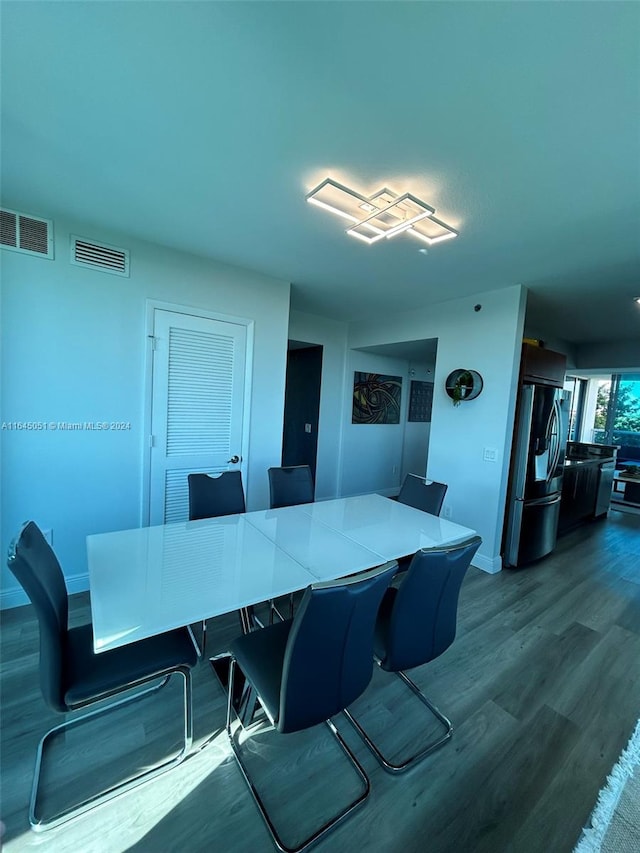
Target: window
x,y
617,414
578,389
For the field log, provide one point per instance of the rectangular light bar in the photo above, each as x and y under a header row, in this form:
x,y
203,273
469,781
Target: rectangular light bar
x,y
384,214
396,217
432,231
338,199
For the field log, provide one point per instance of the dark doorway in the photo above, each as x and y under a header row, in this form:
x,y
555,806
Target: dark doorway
x,y
302,405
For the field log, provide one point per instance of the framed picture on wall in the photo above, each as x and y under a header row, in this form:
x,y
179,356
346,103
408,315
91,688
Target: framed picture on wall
x,y
376,398
420,401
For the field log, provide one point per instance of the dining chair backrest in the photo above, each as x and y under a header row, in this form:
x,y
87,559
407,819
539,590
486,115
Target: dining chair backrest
x,y
73,676
418,618
215,495
422,494
290,485
328,660
36,567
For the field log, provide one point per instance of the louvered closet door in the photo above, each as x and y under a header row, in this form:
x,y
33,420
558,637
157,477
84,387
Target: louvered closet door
x,y
197,406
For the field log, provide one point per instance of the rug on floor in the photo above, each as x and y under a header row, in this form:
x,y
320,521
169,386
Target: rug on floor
x,y
614,825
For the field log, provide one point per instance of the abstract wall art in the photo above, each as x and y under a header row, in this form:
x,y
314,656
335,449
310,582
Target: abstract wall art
x,y
376,398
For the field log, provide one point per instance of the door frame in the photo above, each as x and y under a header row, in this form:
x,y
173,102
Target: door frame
x,y
151,306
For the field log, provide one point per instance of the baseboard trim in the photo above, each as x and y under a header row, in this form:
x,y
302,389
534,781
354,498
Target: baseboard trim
x,y
491,565
17,597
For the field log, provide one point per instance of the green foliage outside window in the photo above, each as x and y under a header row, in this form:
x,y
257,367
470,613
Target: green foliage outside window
x,y
602,404
623,425
627,415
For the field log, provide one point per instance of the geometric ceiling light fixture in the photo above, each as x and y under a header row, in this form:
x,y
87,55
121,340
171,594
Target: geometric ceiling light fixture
x,y
383,214
393,217
433,231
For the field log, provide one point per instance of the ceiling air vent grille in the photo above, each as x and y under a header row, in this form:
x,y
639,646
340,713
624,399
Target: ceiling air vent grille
x,y
99,256
30,235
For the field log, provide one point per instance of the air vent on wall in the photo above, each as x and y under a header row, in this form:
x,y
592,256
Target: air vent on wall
x,y
24,233
99,256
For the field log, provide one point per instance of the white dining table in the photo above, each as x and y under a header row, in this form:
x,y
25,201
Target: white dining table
x,y
385,527
153,579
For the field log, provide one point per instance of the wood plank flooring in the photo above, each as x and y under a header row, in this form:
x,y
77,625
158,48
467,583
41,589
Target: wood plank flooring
x,y
542,684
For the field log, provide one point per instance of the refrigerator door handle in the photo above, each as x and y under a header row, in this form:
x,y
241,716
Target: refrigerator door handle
x,y
559,448
554,439
546,501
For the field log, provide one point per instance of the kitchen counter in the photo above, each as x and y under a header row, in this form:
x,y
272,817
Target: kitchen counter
x,y
586,487
581,451
575,463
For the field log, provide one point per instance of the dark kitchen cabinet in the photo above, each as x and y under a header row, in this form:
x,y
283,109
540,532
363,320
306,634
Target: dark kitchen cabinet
x,y
542,366
579,493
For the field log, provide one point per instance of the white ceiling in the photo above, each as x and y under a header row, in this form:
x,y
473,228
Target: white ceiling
x,y
202,125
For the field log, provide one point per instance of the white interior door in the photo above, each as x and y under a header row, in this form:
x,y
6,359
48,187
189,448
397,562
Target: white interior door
x,y
197,406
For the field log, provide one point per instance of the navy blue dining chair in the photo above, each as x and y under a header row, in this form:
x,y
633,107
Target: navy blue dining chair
x,y
73,677
290,485
422,494
307,669
214,496
427,495
416,624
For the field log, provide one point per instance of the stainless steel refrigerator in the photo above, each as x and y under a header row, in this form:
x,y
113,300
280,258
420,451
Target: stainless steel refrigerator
x,y
535,478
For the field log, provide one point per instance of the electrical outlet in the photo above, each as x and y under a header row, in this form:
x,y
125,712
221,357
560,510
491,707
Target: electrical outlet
x,y
490,454
446,511
307,428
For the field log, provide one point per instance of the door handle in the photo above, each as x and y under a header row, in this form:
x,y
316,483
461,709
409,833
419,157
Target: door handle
x,y
234,460
557,438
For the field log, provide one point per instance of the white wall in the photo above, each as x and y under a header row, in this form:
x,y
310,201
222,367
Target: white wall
x,y
332,478
332,335
488,341
73,346
372,453
416,433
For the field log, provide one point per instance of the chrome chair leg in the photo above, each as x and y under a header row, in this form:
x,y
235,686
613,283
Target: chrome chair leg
x,y
388,765
200,648
248,620
278,613
244,620
275,610
328,825
39,824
